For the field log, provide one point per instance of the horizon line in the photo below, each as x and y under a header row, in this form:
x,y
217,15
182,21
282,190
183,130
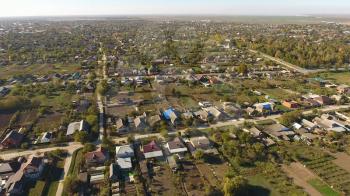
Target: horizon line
x,y
197,15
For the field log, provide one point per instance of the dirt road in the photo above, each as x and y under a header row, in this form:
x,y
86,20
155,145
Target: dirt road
x,y
301,175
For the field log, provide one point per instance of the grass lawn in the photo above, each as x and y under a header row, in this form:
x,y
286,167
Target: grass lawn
x,y
38,189
339,77
277,93
76,159
188,102
8,71
323,188
265,122
52,189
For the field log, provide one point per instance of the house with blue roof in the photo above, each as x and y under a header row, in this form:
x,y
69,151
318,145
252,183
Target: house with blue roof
x,y
261,107
171,116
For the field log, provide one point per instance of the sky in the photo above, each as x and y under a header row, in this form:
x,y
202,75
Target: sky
x,y
172,7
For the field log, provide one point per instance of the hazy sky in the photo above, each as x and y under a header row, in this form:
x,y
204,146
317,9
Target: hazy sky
x,y
196,7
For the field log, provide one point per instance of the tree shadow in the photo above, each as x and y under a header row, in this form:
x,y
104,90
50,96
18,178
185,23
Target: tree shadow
x,y
253,190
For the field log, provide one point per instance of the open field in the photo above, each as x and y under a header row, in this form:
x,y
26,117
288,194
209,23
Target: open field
x,y
49,122
4,120
277,93
27,117
301,176
7,71
338,77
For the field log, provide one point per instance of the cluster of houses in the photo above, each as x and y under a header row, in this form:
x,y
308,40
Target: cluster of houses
x,y
14,138
121,169
305,130
15,174
174,118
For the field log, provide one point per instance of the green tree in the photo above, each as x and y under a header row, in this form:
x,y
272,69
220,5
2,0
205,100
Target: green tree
x,y
290,117
234,186
243,69
199,154
81,136
102,87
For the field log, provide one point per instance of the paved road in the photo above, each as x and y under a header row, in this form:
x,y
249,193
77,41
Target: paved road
x,y
328,109
101,116
13,154
67,164
288,65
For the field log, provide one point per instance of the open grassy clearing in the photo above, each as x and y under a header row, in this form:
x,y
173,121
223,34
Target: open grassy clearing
x,y
338,77
277,93
7,71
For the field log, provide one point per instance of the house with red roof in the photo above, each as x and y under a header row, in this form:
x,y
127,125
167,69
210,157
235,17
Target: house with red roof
x,y
12,139
152,150
97,157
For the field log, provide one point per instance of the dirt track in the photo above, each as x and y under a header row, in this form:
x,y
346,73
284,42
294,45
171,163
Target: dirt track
x,y
301,175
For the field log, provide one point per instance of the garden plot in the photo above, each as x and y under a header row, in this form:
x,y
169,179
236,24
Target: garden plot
x,y
162,183
331,173
213,170
192,180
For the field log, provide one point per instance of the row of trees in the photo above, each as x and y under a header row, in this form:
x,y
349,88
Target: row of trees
x,y
306,53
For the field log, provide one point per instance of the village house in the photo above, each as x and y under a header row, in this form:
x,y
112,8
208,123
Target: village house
x,y
278,132
77,126
33,167
152,150
97,157
12,139
176,146
343,89
187,115
323,100
232,109
200,143
306,135
262,107
46,138
202,115
153,121
140,123
121,127
171,116
290,104
311,103
4,91
218,116
7,169
30,170
256,133
328,125
124,154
